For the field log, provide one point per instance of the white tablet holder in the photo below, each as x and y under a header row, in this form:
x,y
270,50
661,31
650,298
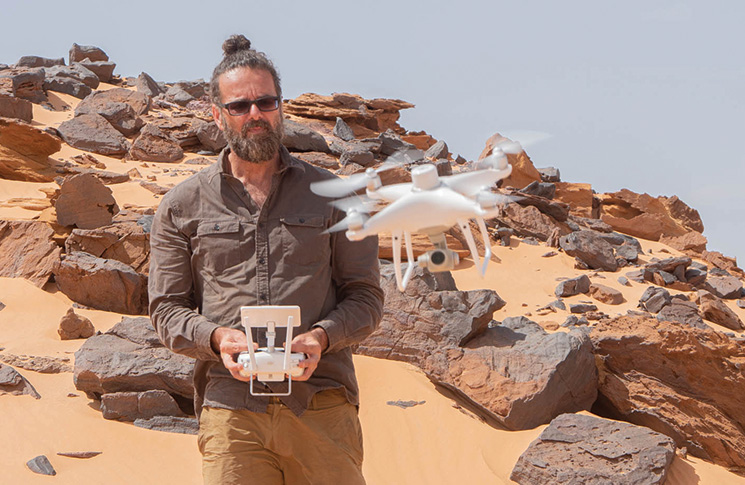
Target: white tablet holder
x,y
269,364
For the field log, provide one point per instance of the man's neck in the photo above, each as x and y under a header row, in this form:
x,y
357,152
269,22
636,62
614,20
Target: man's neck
x,y
256,177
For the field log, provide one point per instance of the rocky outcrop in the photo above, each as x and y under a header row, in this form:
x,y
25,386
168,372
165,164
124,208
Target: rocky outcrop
x,y
130,358
153,145
576,448
11,382
123,241
81,52
12,107
119,114
103,284
93,133
717,311
28,251
579,197
681,381
85,202
129,406
590,248
299,137
523,170
25,151
24,83
515,372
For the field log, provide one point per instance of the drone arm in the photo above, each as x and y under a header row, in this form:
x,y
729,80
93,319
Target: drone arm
x,y
465,228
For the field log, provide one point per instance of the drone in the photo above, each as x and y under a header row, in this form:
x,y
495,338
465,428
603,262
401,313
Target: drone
x,y
430,204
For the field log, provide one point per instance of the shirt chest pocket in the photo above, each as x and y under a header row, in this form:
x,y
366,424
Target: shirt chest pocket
x,y
304,241
219,244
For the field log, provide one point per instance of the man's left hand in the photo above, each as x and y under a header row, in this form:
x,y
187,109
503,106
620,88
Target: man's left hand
x,y
312,344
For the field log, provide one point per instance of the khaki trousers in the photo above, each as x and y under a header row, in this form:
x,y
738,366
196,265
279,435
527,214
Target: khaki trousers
x,y
323,446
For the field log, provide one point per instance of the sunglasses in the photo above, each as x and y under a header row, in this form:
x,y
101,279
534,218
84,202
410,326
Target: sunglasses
x,y
243,106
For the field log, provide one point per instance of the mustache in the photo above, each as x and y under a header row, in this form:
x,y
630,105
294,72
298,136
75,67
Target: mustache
x,y
255,123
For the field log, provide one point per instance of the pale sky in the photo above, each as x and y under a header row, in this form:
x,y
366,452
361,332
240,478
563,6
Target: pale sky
x,y
645,95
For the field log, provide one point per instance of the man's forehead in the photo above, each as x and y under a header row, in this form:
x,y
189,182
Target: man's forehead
x,y
247,76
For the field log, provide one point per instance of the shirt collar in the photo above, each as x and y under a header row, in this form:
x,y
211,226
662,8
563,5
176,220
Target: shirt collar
x,y
286,161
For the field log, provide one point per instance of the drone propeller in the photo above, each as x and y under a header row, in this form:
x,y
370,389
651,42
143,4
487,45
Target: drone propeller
x,y
357,203
353,221
515,141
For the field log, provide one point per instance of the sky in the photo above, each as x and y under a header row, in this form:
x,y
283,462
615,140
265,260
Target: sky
x,y
645,95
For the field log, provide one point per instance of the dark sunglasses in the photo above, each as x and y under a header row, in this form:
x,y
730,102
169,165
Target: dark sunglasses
x,y
243,106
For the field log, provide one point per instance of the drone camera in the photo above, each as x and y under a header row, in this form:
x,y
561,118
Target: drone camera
x,y
438,260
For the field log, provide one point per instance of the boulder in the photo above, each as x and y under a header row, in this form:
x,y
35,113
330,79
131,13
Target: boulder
x,y
529,221
153,145
93,133
130,358
67,85
129,406
550,174
299,137
684,382
36,61
104,70
139,102
211,137
28,251
515,372
75,71
722,262
81,52
654,299
147,85
437,151
19,108
579,197
573,286
576,448
319,159
169,424
606,294
590,248
540,189
122,241
74,326
523,171
85,202
103,284
121,115
717,311
25,151
342,130
178,95
41,465
728,287
582,308
683,312
391,143
358,156
689,242
13,383
25,83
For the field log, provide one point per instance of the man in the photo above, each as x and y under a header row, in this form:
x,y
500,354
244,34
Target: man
x,y
248,231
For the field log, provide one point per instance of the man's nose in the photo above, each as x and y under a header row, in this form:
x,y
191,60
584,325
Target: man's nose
x,y
254,112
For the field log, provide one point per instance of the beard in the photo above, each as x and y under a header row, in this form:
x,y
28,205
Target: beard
x,y
258,147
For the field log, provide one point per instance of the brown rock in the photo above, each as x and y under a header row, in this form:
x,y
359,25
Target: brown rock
x,y
154,188
92,132
24,83
79,454
85,202
606,294
139,102
80,52
123,241
128,406
153,145
11,382
528,221
523,170
27,251
25,151
120,114
103,284
19,108
717,311
319,159
684,382
420,244
579,197
690,242
104,70
74,326
38,363
590,248
722,262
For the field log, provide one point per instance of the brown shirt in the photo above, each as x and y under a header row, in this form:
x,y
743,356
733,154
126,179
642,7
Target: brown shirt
x,y
214,250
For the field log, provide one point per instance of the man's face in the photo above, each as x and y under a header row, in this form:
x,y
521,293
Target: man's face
x,y
255,136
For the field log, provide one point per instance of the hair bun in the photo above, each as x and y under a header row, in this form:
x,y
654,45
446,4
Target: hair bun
x,y
235,43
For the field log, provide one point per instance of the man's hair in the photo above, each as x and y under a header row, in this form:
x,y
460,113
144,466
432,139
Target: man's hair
x,y
237,53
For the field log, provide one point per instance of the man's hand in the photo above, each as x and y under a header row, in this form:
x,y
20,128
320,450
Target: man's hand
x,y
311,343
229,342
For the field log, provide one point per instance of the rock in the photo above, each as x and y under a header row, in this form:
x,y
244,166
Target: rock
x,y
153,145
595,225
573,286
359,156
127,242
130,358
515,373
540,189
79,454
576,448
105,176
590,248
67,85
19,108
121,115
690,241
25,151
648,217
606,294
139,102
85,202
81,52
27,250
41,465
695,276
319,159
523,171
92,132
715,310
528,221
722,262
392,143
684,312
38,363
181,129
580,198
26,83
582,307
623,280
178,95
36,61
11,382
211,137
169,424
73,326
75,71
505,234
299,137
437,151
147,85
342,130
727,287
549,174
680,381
154,188
104,70
103,284
129,406
654,299
741,303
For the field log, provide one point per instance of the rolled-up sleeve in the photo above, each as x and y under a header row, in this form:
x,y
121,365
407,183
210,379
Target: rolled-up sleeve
x,y
170,285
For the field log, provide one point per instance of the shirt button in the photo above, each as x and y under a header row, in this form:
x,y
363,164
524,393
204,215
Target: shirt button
x,y
261,260
217,227
263,297
302,221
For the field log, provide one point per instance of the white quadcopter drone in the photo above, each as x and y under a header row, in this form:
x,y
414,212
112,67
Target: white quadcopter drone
x,y
429,204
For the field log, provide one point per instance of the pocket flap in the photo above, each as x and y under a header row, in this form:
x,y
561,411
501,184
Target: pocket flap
x,y
303,220
207,228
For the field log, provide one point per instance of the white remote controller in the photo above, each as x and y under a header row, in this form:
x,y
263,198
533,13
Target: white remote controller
x,y
270,365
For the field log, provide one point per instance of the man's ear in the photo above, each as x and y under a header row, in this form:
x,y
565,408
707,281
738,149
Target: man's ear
x,y
216,117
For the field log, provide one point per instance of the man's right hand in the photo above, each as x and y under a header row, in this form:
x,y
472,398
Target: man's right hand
x,y
229,342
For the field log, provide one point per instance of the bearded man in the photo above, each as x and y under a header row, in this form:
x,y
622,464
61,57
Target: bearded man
x,y
248,231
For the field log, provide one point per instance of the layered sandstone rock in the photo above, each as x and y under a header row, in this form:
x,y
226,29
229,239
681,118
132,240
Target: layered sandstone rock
x,y
523,170
85,202
25,151
27,250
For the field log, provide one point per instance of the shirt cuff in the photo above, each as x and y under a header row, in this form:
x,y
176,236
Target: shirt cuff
x,y
204,341
334,332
